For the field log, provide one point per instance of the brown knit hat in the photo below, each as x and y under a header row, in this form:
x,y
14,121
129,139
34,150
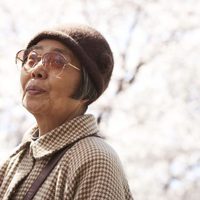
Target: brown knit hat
x,y
89,46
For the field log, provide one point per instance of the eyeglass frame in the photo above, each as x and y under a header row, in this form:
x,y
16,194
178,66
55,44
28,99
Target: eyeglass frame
x,y
42,59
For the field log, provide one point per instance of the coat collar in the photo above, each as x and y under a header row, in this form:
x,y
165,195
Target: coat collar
x,y
61,136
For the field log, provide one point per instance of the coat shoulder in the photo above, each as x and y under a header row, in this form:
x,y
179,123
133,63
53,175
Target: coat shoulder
x,y
96,170
94,151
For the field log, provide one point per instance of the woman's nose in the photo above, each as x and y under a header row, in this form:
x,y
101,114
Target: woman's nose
x,y
39,72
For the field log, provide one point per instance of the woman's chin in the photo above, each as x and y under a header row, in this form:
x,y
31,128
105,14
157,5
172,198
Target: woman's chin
x,y
35,107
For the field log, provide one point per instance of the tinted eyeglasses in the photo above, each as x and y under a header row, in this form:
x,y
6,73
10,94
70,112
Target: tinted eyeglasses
x,y
56,61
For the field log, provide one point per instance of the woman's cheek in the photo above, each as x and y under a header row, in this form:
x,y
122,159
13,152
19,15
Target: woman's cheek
x,y
24,77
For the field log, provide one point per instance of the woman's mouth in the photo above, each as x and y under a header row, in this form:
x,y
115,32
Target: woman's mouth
x,y
34,90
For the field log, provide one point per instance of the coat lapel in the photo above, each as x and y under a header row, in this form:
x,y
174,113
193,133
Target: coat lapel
x,y
22,172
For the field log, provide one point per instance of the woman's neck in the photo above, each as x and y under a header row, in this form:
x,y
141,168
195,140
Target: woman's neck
x,y
47,123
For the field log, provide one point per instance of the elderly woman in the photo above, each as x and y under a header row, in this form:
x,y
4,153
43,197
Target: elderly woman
x,y
63,157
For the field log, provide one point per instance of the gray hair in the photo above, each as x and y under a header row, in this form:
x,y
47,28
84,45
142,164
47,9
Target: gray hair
x,y
86,88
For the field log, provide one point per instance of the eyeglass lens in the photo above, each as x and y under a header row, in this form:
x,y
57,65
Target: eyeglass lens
x,y
28,60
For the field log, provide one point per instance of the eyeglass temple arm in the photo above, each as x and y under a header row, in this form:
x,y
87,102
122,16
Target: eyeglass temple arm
x,y
73,66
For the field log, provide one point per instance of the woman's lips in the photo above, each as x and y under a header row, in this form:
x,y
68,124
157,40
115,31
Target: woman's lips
x,y
34,90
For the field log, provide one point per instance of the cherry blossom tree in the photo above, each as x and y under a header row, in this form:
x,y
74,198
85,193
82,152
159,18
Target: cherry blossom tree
x,y
150,114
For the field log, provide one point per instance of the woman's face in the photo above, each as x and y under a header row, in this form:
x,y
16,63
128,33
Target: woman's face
x,y
45,92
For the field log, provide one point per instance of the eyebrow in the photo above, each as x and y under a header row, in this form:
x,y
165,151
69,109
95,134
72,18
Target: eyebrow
x,y
53,49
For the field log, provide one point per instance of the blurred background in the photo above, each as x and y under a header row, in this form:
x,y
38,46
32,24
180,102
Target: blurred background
x,y
151,112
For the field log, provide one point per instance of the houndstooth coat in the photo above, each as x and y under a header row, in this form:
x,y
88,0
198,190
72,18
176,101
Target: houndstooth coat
x,y
90,170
